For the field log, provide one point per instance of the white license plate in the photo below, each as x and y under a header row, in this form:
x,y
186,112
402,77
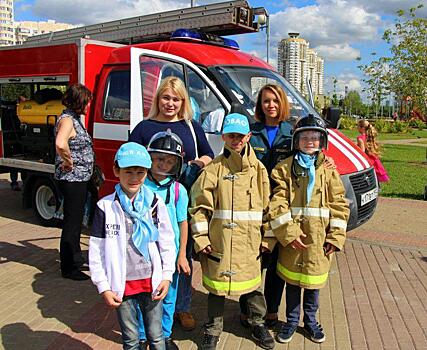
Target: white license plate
x,y
368,196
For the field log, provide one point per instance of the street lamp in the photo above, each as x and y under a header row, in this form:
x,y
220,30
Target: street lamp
x,y
264,22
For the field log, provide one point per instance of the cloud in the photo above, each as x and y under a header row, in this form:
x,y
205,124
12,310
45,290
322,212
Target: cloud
x,y
389,7
326,26
337,52
90,11
349,79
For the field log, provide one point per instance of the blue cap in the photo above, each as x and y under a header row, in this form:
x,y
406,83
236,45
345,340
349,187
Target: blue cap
x,y
236,123
132,154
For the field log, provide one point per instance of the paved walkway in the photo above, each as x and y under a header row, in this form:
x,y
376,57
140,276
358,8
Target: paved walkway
x,y
422,142
375,297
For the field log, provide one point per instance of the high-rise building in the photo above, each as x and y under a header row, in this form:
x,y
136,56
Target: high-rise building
x,y
7,34
296,62
29,28
315,71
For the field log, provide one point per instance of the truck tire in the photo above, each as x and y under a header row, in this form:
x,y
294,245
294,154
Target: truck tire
x,y
46,201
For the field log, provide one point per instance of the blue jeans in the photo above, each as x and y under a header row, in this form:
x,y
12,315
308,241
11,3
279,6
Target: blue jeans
x,y
183,299
168,310
128,319
293,305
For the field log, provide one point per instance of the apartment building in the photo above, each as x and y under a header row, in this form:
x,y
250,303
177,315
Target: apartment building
x,y
25,29
7,34
296,62
14,33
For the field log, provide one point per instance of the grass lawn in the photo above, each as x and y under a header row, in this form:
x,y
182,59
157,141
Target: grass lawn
x,y
407,168
406,165
414,134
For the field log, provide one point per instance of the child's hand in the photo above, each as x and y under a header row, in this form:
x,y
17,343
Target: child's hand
x,y
329,163
182,265
111,299
329,248
162,290
207,249
297,244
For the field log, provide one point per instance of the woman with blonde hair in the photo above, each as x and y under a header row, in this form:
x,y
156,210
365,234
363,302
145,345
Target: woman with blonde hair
x,y
367,142
171,109
177,86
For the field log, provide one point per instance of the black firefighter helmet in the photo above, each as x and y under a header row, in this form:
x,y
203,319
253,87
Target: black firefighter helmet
x,y
310,123
166,142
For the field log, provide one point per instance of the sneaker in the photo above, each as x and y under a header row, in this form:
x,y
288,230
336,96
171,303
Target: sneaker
x,y
209,341
263,337
286,332
315,332
170,344
186,320
143,344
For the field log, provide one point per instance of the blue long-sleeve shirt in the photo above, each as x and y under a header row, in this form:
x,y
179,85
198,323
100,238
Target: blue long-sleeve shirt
x,y
147,128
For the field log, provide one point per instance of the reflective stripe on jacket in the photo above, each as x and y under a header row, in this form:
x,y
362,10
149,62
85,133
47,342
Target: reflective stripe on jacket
x,y
323,220
228,202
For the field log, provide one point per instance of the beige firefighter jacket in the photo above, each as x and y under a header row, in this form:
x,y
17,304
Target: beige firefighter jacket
x,y
323,220
228,203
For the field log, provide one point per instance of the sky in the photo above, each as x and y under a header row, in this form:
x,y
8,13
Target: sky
x,y
341,31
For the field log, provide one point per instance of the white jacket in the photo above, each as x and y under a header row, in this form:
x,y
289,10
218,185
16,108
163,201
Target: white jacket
x,y
107,247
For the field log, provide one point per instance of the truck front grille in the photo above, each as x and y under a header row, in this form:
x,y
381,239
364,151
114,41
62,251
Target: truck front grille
x,y
362,183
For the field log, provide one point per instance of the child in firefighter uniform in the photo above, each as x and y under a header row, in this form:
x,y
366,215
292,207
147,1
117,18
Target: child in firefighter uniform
x,y
308,214
228,203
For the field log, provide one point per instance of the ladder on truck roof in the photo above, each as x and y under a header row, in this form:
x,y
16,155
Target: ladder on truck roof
x,y
225,18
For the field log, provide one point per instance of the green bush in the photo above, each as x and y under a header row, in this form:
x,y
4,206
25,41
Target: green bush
x,y
381,125
417,124
347,123
400,126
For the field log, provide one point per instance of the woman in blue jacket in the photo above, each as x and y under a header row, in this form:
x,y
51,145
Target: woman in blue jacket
x,y
271,141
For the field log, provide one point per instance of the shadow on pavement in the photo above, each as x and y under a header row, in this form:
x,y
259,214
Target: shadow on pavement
x,y
14,209
75,304
20,336
199,310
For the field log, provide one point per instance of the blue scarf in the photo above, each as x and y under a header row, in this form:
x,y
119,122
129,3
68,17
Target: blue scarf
x,y
307,162
144,230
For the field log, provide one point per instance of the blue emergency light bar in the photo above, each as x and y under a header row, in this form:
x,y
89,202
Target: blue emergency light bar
x,y
192,35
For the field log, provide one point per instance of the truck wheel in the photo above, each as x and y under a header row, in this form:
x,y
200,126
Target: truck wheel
x,y
45,199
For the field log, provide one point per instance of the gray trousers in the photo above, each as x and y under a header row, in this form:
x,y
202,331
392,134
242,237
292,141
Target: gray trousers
x,y
256,306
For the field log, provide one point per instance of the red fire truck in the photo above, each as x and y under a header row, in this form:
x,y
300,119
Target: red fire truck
x,y
123,62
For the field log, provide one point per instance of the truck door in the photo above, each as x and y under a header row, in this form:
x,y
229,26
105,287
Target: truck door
x,y
149,67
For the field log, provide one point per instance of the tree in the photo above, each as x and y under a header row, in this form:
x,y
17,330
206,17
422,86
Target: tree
x,y
404,73
353,102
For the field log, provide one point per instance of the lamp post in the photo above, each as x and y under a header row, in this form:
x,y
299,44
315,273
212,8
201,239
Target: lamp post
x,y
264,22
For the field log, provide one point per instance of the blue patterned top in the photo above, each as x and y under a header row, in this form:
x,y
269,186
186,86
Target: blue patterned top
x,y
81,152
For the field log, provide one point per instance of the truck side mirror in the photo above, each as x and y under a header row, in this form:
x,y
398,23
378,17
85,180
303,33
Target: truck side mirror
x,y
332,117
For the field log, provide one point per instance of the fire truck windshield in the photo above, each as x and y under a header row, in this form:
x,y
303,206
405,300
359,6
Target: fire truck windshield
x,y
245,82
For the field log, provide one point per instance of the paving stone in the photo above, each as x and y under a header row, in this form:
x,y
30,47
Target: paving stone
x,y
374,299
